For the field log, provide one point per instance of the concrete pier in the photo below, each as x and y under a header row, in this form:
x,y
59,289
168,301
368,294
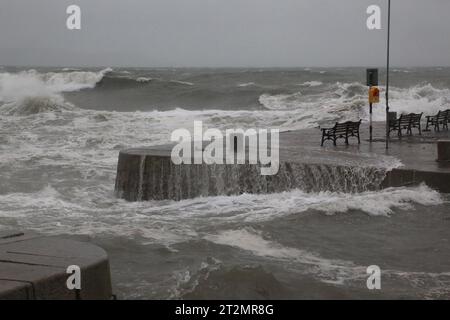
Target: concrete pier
x,y
33,267
149,174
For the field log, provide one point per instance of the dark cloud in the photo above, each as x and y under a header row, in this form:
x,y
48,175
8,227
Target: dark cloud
x,y
222,33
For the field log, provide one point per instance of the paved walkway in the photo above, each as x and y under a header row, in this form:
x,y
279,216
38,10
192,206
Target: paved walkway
x,y
415,152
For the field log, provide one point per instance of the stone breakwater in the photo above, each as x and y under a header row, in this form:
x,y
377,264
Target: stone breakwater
x,y
149,173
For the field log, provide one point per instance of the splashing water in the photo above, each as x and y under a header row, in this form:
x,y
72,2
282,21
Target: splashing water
x,y
61,131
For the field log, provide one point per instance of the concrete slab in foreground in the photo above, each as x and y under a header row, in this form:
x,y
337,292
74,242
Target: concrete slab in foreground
x,y
34,267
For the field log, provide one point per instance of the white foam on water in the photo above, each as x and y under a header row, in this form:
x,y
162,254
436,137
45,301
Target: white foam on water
x,y
247,84
348,101
311,84
186,83
266,207
330,270
78,210
144,79
77,149
141,178
32,82
186,281
340,101
401,70
31,92
60,128
74,80
379,203
70,69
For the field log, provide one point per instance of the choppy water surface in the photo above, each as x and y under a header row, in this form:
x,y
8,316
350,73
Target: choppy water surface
x,y
61,131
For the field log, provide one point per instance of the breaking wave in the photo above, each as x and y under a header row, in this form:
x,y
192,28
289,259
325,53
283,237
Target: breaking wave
x,y
185,220
38,104
32,80
30,92
74,80
331,271
318,102
58,166
349,101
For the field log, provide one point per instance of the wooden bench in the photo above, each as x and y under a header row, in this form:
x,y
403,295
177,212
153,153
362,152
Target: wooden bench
x,y
406,121
341,130
441,118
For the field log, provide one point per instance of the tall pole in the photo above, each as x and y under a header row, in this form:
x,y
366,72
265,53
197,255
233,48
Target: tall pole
x,y
387,74
370,125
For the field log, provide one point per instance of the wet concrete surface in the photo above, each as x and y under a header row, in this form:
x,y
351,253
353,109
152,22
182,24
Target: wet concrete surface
x,y
417,152
33,267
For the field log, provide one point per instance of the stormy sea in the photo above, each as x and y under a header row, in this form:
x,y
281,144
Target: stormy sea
x,y
61,130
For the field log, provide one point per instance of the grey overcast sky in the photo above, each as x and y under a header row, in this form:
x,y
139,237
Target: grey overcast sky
x,y
217,33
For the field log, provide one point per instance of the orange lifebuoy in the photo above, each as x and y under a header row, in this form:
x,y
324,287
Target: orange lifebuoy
x,y
374,95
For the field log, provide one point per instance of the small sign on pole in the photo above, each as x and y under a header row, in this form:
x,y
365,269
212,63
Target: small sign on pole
x,y
372,77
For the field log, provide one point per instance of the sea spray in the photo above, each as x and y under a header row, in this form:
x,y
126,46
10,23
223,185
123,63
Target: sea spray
x,y
57,172
141,178
181,181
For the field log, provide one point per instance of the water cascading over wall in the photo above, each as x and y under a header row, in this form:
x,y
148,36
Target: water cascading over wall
x,y
154,177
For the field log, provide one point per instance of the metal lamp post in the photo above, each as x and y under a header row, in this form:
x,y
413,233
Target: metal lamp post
x,y
387,74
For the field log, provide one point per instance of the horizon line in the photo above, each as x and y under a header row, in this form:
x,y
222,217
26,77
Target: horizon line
x,y
216,67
